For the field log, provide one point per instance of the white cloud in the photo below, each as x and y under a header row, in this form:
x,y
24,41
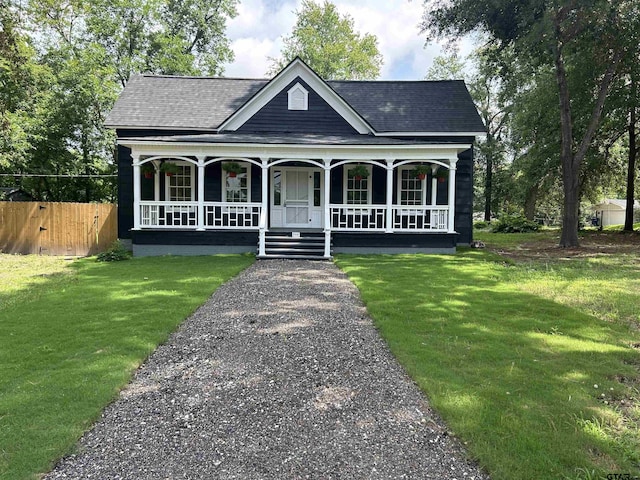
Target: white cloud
x,y
256,34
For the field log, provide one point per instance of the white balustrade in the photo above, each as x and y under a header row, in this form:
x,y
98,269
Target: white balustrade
x,y
229,215
404,218
412,218
357,217
184,215
250,216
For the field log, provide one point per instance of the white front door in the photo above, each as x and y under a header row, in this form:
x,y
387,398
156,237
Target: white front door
x,y
296,197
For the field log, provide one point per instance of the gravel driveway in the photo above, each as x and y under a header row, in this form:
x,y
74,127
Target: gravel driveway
x,y
280,375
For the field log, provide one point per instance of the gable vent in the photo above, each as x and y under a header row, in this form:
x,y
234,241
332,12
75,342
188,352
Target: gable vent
x,y
298,98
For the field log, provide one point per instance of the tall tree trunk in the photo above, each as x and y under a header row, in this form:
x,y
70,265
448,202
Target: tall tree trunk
x,y
631,171
570,167
488,179
530,202
572,161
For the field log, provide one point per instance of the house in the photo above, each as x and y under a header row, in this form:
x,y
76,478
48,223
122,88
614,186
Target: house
x,y
295,165
611,211
14,194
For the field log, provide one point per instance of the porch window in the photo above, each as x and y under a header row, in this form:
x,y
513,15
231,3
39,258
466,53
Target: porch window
x,y
411,190
236,186
180,185
357,188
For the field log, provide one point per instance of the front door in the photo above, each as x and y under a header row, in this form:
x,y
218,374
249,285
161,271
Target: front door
x,y
296,197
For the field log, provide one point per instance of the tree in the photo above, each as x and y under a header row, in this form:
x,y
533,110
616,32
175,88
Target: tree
x,y
447,67
492,100
63,63
326,41
571,36
19,79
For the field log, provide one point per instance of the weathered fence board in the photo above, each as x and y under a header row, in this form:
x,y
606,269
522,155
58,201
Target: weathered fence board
x,y
47,228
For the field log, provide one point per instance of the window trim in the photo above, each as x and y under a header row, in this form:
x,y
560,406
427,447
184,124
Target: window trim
x,y
223,182
399,189
167,181
345,182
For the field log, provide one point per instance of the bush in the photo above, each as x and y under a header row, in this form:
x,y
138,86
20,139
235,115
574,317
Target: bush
x,y
481,225
514,224
115,253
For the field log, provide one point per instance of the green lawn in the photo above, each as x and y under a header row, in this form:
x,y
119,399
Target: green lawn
x,y
534,365
72,334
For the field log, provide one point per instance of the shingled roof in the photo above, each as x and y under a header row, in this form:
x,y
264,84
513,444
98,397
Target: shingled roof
x,y
203,103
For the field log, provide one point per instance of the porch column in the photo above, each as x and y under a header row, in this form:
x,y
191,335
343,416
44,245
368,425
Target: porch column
x,y
136,191
452,194
434,184
200,225
327,204
265,205
389,218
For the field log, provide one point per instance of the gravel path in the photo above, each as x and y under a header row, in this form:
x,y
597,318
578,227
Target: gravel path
x,y
280,375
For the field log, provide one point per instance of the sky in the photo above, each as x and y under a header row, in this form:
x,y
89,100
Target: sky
x,y
257,32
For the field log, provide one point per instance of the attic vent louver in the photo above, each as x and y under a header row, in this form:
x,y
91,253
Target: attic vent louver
x,y
298,98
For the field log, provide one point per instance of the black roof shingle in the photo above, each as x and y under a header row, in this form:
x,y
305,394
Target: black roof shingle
x,y
203,103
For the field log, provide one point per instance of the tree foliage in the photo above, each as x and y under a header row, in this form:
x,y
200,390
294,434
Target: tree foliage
x,y
582,43
327,42
63,63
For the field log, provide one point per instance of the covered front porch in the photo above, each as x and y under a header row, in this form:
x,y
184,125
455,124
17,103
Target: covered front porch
x,y
380,190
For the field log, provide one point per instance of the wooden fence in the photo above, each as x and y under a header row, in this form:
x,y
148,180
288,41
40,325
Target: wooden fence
x,y
44,228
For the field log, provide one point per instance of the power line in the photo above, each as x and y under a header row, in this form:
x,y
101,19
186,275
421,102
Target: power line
x,y
62,175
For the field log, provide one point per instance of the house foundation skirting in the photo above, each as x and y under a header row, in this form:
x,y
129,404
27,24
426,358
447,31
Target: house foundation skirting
x,y
393,250
189,250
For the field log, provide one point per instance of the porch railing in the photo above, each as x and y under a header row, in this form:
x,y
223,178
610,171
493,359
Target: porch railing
x,y
404,218
225,215
247,216
409,218
215,215
168,214
357,217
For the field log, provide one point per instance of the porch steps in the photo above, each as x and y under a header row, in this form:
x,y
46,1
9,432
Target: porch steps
x,y
309,245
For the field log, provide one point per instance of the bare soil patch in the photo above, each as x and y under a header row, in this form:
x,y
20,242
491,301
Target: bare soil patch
x,y
592,244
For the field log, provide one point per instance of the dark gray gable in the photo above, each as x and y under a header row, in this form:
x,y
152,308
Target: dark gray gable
x,y
276,117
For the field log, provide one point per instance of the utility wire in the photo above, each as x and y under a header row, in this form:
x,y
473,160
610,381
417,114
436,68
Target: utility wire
x,y
63,175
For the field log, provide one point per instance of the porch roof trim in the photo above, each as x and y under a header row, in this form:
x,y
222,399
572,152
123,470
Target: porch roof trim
x,y
297,151
284,139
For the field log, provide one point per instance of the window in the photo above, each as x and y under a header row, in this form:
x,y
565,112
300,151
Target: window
x,y
298,98
411,190
236,186
357,188
180,184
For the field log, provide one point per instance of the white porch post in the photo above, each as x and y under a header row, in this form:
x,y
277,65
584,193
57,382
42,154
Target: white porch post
x,y
200,225
434,184
389,218
264,207
136,191
452,194
327,201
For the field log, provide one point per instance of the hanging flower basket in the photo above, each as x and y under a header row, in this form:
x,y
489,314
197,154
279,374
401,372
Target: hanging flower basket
x,y
442,175
232,169
148,170
358,172
421,171
169,168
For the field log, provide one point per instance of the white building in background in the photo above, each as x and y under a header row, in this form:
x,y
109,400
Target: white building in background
x,y
611,211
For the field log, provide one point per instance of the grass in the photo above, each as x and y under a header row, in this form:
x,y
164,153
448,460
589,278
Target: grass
x,y
534,365
72,334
